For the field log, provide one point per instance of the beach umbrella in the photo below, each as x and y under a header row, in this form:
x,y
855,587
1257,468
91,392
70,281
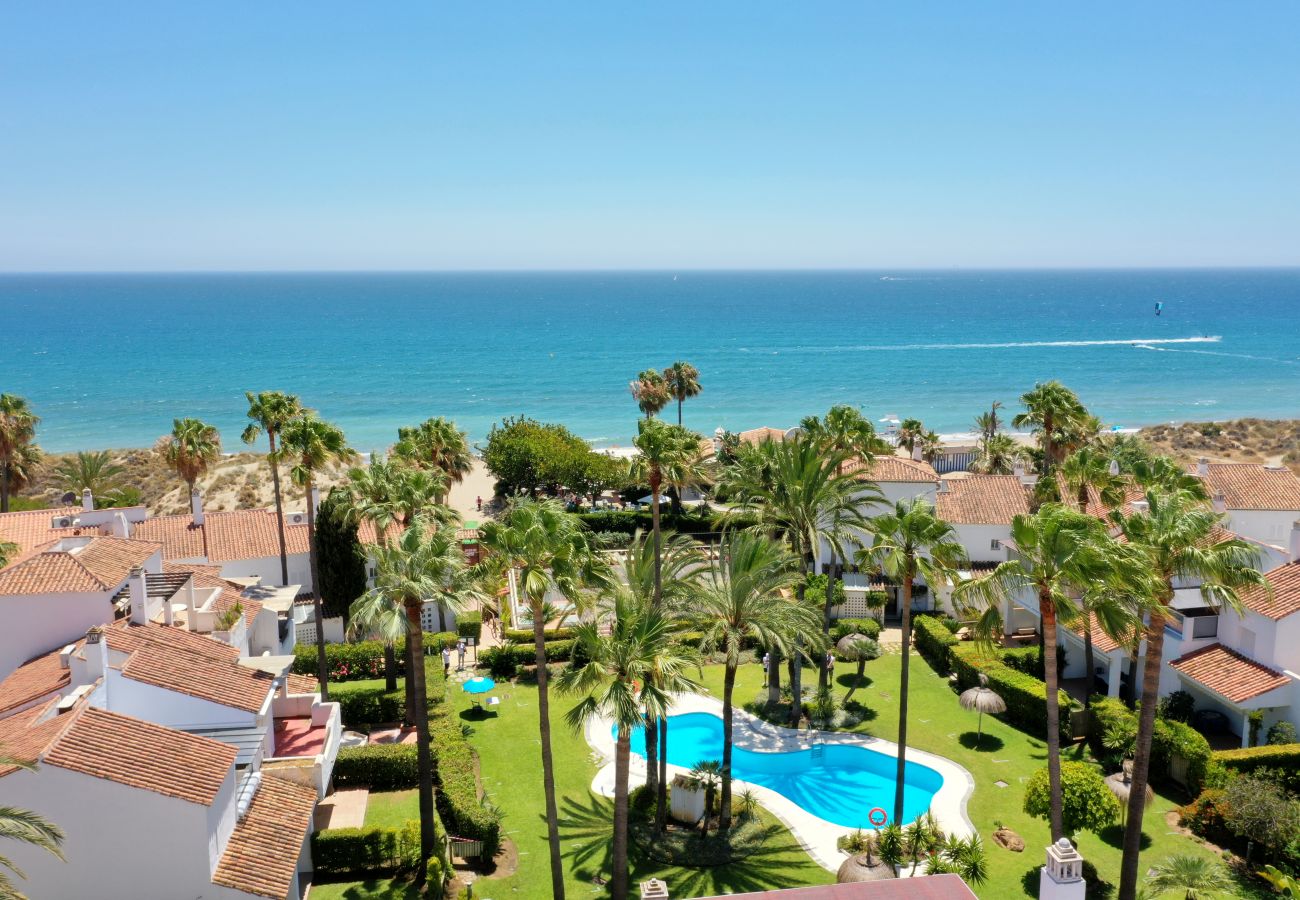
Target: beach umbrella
x,y
479,685
1121,785
984,700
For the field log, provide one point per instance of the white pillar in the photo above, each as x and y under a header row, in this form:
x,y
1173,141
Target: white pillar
x,y
1114,676
1245,728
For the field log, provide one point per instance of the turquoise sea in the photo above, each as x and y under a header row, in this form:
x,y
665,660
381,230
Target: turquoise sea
x,y
110,360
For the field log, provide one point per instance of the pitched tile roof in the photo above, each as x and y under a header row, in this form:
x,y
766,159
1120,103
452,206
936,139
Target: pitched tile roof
x,y
1101,641
982,500
303,684
190,664
141,754
262,854
893,469
1285,597
1228,673
33,680
100,564
31,528
26,735
1253,486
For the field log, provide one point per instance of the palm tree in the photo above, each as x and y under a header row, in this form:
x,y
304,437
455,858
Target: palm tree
x,y
998,455
988,424
667,454
907,541
1050,408
706,775
1062,553
423,563
310,444
191,449
741,598
1088,471
931,446
92,471
803,497
546,546
626,669
369,497
683,382
18,452
7,552
650,392
1177,539
1196,877
436,444
26,827
269,412
909,432
844,429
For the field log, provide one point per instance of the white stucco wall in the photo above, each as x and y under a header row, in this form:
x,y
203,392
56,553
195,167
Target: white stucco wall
x,y
169,708
1268,526
33,625
978,541
121,843
267,568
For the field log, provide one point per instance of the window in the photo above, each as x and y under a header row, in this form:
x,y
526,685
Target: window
x,y
995,544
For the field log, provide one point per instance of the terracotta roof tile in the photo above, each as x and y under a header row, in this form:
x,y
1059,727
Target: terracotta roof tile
x,y
130,751
1253,486
1101,641
100,564
893,469
28,734
1285,597
1228,673
31,528
190,664
303,684
33,680
262,854
982,500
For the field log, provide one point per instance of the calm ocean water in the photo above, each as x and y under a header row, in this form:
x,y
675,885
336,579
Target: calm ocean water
x,y
109,360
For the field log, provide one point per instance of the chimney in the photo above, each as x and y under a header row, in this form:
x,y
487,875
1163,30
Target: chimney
x,y
1140,506
1202,467
119,527
943,485
139,597
315,501
1018,469
65,656
916,451
1114,467
87,500
196,506
718,434
654,889
1220,503
1295,541
91,664
1062,877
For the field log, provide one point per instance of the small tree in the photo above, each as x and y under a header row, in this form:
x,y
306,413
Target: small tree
x,y
1086,803
1282,732
1195,877
341,559
1260,810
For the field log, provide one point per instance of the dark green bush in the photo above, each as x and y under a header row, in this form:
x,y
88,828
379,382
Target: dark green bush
x,y
380,767
356,851
1177,707
1024,695
1169,739
1284,758
934,642
355,660
525,635
470,624
457,797
369,705
844,627
1281,733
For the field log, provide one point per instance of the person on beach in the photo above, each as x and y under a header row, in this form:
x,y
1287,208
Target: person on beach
x,y
446,661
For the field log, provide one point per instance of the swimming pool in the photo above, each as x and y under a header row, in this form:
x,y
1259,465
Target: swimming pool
x,y
836,782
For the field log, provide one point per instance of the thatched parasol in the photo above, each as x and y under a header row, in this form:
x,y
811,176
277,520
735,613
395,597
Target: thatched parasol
x,y
855,869
848,645
984,700
1121,785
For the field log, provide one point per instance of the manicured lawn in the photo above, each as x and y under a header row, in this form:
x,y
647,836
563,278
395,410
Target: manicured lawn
x,y
510,767
392,809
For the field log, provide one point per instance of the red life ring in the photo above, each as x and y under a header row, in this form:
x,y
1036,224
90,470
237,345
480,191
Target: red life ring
x,y
871,816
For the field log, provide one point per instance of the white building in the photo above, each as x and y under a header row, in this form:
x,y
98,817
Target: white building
x,y
1260,502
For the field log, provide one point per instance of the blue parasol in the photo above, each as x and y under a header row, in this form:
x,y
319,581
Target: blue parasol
x,y
478,685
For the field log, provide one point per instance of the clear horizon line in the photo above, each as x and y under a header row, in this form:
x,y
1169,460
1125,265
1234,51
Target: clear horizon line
x,y
1280,267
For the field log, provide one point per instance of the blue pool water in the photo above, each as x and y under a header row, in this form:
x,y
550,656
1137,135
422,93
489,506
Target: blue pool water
x,y
840,784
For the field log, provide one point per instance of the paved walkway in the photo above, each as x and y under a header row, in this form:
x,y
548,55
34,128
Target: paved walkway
x,y
343,809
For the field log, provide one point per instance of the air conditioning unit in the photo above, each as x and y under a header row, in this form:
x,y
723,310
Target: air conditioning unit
x,y
63,522
297,518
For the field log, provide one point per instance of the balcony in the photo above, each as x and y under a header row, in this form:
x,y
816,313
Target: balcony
x,y
307,734
1197,624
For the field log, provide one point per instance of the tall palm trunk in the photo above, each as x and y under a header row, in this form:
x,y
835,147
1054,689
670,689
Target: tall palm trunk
x,y
4,488
409,661
774,678
661,806
415,640
548,765
390,667
679,410
279,510
442,618
832,570
651,757
322,670
902,692
796,668
728,688
622,758
1128,871
1053,698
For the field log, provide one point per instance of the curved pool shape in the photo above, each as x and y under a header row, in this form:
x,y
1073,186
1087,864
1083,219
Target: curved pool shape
x,y
836,782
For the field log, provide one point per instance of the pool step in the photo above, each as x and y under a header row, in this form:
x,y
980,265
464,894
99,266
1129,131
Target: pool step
x,y
818,751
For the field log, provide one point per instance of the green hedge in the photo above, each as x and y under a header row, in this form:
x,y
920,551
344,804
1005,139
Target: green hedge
x,y
454,766
470,624
361,851
356,660
934,641
1283,761
842,628
525,635
505,661
380,767
1170,738
369,705
1024,695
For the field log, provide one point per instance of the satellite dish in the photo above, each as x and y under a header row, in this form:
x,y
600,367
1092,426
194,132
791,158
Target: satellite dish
x,y
68,499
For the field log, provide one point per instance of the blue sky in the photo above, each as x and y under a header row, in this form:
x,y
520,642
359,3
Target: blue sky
x,y
245,135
